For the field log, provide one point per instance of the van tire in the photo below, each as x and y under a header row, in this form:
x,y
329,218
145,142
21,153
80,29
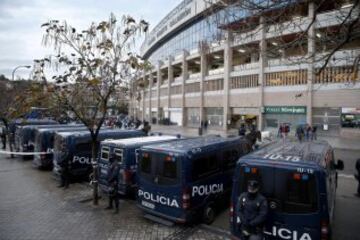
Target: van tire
x,y
208,214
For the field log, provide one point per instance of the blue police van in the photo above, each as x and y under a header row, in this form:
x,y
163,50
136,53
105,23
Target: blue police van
x,y
17,125
74,149
299,181
25,136
44,143
125,151
185,180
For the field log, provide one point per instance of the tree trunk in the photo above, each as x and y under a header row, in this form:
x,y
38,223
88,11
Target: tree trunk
x,y
95,172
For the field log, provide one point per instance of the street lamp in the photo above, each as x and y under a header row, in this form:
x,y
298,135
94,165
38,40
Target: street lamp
x,y
21,66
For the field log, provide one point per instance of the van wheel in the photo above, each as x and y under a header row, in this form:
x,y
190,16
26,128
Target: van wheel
x,y
208,214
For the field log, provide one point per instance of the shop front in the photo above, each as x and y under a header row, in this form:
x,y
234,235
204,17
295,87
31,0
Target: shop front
x,y
350,117
193,117
244,115
289,115
327,120
154,115
214,117
175,116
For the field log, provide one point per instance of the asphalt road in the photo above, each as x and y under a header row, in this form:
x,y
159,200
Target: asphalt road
x,y
349,157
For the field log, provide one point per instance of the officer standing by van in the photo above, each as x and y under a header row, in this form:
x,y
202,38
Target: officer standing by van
x,y
3,136
357,176
113,180
252,210
65,174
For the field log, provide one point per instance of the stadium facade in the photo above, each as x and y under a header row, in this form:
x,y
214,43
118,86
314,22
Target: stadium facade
x,y
224,65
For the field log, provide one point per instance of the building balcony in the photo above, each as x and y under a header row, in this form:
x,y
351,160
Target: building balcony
x,y
216,71
247,66
339,58
178,79
287,61
194,75
165,82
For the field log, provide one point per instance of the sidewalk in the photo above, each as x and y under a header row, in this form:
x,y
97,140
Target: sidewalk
x,y
335,142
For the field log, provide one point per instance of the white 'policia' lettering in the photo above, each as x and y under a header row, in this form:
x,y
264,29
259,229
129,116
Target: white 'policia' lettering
x,y
82,160
158,199
207,189
284,233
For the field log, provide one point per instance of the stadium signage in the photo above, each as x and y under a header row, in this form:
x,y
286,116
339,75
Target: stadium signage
x,y
285,109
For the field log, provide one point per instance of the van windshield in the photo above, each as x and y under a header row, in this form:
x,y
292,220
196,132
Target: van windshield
x,y
160,168
291,191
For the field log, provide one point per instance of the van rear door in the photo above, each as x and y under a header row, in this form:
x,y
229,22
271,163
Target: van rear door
x,y
293,200
160,184
103,168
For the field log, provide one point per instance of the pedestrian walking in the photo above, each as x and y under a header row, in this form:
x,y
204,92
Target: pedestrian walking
x,y
146,129
307,132
3,137
113,181
300,133
11,137
284,130
252,210
357,176
205,125
313,133
242,130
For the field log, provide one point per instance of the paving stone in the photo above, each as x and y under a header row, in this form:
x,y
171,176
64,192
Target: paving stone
x,y
33,208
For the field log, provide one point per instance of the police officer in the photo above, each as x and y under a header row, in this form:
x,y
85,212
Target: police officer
x,y
242,130
113,180
252,211
357,176
3,136
65,174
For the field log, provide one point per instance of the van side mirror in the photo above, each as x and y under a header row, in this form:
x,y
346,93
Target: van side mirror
x,y
339,165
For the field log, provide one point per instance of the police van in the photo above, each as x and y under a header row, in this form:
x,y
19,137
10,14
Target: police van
x,y
74,149
44,143
26,136
125,151
299,181
184,180
18,126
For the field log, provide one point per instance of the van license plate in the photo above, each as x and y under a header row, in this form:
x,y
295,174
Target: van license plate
x,y
148,205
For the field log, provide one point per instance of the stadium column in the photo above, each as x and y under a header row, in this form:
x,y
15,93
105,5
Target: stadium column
x,y
143,98
203,71
170,81
311,57
150,95
185,76
228,58
262,65
131,100
159,77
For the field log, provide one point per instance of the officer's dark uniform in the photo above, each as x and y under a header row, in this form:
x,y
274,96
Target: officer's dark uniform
x,y
252,211
3,137
65,174
113,180
358,176
242,130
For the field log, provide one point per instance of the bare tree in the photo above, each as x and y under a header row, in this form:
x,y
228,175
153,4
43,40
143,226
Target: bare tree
x,y
92,63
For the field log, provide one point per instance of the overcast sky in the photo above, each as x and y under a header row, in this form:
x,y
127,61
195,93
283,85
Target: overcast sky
x,y
20,21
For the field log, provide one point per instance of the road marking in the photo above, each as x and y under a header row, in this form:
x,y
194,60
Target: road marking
x,y
346,176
